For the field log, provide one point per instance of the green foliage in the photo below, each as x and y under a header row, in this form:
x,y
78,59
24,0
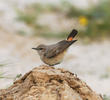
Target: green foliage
x,y
55,35
70,10
2,74
95,20
17,76
99,20
2,65
106,75
29,17
106,97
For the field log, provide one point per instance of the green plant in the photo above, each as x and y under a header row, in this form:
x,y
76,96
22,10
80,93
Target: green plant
x,y
1,73
105,97
95,20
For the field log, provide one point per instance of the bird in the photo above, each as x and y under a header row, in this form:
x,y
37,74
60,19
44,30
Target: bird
x,y
53,54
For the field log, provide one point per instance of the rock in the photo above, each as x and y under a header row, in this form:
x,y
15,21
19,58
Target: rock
x,y
49,83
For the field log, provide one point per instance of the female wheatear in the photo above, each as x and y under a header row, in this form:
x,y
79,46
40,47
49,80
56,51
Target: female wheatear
x,y
54,54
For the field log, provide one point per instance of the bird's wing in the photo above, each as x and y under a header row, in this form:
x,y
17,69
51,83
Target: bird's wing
x,y
56,49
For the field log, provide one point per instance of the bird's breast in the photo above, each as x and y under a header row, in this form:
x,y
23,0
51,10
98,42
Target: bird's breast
x,y
54,60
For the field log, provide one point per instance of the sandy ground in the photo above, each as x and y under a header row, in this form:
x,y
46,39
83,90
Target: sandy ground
x,y
90,62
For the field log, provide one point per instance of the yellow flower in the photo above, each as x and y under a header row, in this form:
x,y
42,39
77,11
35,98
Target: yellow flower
x,y
83,20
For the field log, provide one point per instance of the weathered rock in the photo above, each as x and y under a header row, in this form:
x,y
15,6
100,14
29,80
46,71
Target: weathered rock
x,y
49,83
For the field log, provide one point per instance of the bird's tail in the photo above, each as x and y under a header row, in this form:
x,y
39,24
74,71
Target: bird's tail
x,y
72,35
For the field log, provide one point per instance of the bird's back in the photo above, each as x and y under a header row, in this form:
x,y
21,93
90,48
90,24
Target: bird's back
x,y
55,49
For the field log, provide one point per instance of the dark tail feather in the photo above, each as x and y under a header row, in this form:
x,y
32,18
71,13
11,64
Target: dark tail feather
x,y
72,35
74,41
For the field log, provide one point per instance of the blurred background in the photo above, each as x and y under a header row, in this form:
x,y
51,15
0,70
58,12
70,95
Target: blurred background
x,y
27,23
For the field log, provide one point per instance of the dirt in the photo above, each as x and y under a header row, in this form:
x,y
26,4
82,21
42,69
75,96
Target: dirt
x,y
49,83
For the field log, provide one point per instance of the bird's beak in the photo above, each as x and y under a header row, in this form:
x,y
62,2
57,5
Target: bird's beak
x,y
35,48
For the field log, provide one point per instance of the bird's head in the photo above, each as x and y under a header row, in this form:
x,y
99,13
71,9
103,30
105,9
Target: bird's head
x,y
40,49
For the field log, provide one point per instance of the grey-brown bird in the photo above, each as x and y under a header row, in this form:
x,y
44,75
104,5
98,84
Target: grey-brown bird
x,y
54,54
